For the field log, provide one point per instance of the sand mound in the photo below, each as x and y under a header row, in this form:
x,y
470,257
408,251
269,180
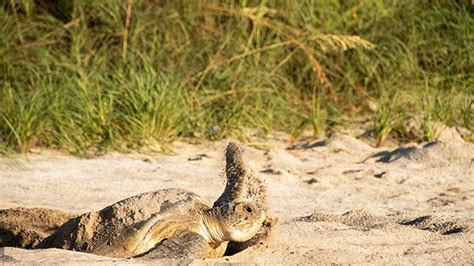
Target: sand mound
x,y
433,153
360,219
346,143
26,228
439,225
364,220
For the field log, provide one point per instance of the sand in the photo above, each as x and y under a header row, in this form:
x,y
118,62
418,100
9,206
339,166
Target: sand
x,y
337,200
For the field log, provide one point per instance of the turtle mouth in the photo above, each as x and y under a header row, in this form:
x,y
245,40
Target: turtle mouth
x,y
261,217
239,235
245,229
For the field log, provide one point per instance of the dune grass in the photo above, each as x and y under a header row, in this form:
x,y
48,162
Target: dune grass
x,y
96,75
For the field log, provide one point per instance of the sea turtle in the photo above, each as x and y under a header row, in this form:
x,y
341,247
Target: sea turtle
x,y
171,223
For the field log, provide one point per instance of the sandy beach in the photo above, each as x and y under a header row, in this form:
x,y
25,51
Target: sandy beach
x,y
338,200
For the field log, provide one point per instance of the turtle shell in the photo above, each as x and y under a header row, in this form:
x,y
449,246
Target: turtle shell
x,y
93,229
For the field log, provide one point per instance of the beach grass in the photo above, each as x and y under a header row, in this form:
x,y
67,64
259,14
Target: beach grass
x,y
88,76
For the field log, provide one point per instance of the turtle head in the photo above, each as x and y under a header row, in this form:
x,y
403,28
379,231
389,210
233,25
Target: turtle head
x,y
242,220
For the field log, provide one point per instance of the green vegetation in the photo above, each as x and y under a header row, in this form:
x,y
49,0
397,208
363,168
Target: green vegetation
x,y
96,75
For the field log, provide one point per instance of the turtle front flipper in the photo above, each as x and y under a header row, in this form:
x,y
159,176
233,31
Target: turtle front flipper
x,y
131,241
236,174
190,245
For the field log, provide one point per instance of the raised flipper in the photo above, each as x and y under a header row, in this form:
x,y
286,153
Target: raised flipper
x,y
243,183
236,174
190,245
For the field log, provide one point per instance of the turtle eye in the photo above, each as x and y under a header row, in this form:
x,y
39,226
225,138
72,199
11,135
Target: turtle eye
x,y
248,209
